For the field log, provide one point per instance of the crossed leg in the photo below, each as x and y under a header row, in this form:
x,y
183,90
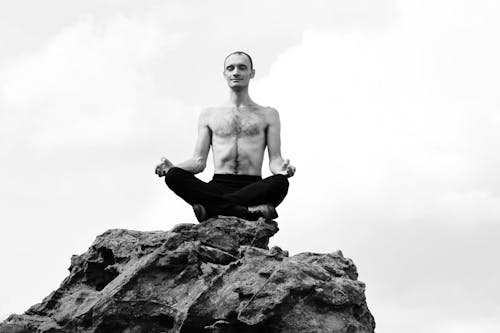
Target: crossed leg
x,y
218,200
195,191
271,190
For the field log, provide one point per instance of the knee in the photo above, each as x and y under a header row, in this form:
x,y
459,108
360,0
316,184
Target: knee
x,y
281,182
172,176
285,184
280,189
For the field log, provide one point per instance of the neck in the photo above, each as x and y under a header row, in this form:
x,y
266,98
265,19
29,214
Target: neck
x,y
239,97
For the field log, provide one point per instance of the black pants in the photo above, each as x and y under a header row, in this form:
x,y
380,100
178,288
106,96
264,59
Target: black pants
x,y
225,191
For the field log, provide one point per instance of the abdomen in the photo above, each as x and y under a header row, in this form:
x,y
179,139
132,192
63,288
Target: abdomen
x,y
233,155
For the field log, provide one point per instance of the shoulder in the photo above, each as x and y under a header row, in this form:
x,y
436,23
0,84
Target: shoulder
x,y
270,113
266,110
205,115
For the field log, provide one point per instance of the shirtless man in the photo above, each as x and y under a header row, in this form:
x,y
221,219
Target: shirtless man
x,y
238,132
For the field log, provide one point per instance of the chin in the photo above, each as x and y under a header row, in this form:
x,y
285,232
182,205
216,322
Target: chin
x,y
237,85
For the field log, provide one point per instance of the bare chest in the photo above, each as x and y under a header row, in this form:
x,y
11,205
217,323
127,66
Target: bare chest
x,y
232,124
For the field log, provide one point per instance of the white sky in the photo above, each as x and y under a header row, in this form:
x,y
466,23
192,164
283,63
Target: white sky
x,y
389,109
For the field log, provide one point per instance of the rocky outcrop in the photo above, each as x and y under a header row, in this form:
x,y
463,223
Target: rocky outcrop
x,y
216,276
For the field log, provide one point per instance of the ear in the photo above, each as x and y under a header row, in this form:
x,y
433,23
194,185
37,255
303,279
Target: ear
x,y
252,73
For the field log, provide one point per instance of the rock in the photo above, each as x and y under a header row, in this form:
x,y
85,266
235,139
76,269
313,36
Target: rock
x,y
217,276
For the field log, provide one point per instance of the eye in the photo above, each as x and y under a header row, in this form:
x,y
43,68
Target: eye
x,y
229,68
242,67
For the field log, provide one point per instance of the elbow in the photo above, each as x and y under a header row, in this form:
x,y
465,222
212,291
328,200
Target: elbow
x,y
200,165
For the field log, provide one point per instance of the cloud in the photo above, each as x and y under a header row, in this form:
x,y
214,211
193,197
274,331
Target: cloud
x,y
373,121
389,111
91,84
394,134
82,124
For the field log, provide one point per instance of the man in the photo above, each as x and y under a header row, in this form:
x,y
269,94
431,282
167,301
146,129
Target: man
x,y
238,132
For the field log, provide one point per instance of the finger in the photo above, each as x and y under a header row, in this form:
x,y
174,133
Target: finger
x,y
285,164
163,159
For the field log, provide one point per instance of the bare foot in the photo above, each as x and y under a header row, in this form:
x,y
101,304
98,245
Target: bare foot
x,y
200,212
162,168
267,211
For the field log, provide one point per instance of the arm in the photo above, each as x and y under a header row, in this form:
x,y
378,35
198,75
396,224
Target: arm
x,y
198,161
277,164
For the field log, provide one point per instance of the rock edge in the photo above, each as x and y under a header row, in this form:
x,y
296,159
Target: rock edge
x,y
217,276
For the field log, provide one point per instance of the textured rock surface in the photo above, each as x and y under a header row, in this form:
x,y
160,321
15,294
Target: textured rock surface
x,y
217,276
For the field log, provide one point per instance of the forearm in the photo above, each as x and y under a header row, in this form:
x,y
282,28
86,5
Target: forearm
x,y
275,165
193,165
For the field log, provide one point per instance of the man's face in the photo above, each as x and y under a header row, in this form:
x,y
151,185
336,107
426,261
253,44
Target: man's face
x,y
237,71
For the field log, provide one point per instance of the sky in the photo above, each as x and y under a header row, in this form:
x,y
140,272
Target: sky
x,y
389,111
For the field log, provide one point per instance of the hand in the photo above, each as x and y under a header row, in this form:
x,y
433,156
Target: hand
x,y
162,168
287,169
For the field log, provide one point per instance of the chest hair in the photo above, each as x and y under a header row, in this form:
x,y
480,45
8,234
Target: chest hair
x,y
236,125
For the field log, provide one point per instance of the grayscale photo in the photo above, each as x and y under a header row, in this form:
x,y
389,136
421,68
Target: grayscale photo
x,y
249,167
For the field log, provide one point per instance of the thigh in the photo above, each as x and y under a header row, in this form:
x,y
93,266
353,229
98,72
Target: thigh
x,y
271,190
191,189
